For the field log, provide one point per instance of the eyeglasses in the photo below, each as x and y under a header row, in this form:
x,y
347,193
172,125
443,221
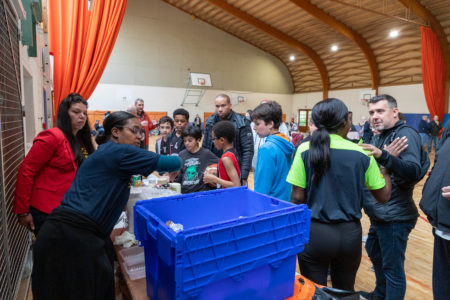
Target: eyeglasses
x,y
137,131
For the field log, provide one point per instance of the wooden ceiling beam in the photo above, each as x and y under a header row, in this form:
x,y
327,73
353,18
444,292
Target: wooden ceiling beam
x,y
284,38
346,31
422,12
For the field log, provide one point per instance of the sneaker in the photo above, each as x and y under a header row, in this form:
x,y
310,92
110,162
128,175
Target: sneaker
x,y
368,296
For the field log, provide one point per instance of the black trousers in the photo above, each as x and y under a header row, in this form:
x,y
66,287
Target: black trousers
x,y
336,246
73,259
39,218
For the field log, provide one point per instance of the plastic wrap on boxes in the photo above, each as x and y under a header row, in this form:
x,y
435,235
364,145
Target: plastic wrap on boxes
x,y
134,262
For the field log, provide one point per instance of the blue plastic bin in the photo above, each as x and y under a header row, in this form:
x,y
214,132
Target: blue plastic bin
x,y
236,244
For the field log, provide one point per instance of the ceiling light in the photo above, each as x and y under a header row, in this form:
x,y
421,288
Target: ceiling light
x,y
292,58
334,48
393,33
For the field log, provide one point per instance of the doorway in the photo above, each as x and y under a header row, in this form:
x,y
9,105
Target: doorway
x,y
303,119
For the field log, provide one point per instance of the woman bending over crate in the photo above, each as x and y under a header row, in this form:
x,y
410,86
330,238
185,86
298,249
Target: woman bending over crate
x,y
73,254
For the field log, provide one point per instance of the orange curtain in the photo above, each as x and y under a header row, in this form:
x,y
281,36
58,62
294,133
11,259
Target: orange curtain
x,y
433,73
81,42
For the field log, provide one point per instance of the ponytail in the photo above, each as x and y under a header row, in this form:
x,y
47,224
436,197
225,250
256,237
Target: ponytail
x,y
328,116
319,153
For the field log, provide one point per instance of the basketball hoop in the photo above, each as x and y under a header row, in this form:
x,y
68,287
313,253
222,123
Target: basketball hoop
x,y
364,101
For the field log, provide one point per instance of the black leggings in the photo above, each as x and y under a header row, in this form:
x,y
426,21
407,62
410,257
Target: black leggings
x,y
337,246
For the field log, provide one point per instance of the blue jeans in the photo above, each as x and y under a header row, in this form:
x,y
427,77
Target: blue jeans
x,y
435,141
423,138
386,246
441,268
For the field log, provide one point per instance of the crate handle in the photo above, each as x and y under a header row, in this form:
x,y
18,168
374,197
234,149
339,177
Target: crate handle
x,y
152,227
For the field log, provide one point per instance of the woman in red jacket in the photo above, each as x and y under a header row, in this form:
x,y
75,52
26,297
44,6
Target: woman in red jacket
x,y
50,166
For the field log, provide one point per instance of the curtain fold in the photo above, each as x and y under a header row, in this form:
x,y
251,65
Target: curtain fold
x,y
81,42
433,73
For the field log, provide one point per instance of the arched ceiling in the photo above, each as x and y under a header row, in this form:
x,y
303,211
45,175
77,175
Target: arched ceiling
x,y
366,58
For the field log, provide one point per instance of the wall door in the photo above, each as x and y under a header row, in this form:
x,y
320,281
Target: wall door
x,y
303,119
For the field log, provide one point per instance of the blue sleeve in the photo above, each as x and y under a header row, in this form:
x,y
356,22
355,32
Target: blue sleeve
x,y
135,160
264,171
168,163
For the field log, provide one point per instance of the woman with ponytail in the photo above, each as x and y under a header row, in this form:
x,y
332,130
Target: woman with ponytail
x,y
330,174
50,166
73,253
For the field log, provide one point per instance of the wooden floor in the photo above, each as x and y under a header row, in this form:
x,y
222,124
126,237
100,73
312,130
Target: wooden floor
x,y
419,254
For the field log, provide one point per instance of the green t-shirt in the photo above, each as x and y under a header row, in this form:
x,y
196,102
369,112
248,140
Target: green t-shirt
x,y
340,193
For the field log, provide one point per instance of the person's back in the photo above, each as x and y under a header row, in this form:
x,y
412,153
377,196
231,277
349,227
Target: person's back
x,y
330,175
435,203
275,155
274,162
232,155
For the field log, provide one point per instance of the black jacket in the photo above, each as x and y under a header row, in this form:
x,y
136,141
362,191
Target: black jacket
x,y
436,207
243,142
424,127
435,128
367,133
406,170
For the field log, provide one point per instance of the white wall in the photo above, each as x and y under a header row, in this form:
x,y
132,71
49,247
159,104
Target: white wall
x,y
410,98
158,43
32,89
118,97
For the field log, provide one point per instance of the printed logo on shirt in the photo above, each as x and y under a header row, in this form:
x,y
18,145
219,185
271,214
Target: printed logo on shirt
x,y
191,176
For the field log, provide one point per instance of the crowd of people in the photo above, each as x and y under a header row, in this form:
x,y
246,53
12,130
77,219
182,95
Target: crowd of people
x,y
71,194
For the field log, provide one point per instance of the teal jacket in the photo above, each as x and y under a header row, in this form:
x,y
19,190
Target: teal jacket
x,y
274,162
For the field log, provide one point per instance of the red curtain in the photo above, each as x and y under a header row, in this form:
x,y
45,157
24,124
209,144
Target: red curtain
x,y
433,73
81,41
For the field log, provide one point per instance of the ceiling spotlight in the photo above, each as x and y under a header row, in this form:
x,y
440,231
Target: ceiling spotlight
x,y
334,48
292,58
393,33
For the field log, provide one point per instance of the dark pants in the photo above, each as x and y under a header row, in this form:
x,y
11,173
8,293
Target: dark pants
x,y
441,268
386,247
73,259
335,246
39,218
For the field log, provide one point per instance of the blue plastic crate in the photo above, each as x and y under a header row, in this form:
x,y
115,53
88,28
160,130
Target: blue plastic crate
x,y
236,244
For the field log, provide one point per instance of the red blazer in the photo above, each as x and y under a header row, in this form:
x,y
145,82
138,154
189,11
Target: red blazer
x,y
45,174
